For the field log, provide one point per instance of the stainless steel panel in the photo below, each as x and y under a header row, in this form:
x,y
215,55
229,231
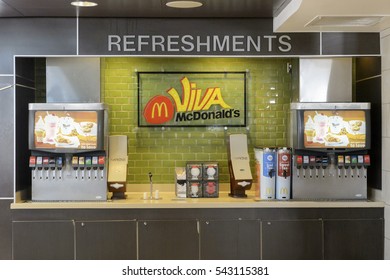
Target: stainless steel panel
x,y
73,79
7,168
66,106
72,186
325,80
327,184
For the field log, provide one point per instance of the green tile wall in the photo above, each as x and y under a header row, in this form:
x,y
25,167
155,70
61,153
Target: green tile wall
x,y
160,150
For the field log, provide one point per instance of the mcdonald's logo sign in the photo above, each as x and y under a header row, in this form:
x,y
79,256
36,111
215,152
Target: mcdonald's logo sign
x,y
158,110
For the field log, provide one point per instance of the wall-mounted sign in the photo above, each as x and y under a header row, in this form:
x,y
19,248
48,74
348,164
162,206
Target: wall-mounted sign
x,y
217,37
191,98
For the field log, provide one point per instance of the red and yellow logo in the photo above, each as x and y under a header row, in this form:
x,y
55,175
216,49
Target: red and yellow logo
x,y
161,109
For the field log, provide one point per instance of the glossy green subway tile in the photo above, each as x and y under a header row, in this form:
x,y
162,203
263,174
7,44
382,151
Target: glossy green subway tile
x,y
195,143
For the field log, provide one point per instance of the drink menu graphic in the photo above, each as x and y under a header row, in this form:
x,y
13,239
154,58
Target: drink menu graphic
x,y
335,129
65,129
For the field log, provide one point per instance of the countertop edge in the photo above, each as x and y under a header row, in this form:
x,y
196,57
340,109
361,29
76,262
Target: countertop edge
x,y
192,204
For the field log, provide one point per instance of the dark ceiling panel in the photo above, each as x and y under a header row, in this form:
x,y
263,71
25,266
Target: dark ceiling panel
x,y
7,11
140,9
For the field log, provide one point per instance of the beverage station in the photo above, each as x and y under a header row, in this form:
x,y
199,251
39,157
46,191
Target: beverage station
x,y
331,143
68,151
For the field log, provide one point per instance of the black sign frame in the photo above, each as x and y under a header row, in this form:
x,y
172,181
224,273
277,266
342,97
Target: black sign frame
x,y
244,98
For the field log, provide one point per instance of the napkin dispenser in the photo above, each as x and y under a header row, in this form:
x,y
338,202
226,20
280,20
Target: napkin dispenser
x,y
117,166
239,165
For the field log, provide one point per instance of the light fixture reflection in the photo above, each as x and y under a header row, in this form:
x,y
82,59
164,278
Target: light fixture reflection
x,y
184,4
84,4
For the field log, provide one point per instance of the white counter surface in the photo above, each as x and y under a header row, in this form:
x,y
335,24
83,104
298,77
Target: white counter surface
x,y
168,200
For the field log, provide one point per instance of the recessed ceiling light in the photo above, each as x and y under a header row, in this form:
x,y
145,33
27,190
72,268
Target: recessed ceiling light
x,y
184,4
84,4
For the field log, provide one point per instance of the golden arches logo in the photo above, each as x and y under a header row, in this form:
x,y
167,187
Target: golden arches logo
x,y
284,191
269,191
159,108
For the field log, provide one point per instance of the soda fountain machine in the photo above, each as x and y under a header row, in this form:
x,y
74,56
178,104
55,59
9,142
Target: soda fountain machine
x,y
330,150
68,144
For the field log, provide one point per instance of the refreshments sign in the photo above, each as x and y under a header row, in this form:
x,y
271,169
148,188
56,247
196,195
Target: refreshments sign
x,y
191,99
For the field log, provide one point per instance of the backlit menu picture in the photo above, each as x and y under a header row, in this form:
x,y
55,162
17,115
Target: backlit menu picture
x,y
335,129
65,130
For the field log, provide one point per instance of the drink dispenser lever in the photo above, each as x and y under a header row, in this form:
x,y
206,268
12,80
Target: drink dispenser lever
x,y
95,166
347,163
39,167
360,164
324,164
312,163
366,162
318,164
82,166
88,166
59,167
45,163
101,162
52,166
299,162
32,164
75,165
340,164
305,165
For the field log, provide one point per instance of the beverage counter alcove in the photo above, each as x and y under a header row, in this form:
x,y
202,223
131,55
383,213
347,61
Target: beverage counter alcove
x,y
219,228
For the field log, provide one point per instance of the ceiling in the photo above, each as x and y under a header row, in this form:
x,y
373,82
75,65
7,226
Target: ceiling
x,y
288,15
140,8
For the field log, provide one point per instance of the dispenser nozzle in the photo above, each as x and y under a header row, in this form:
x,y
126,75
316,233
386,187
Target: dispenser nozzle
x,y
150,176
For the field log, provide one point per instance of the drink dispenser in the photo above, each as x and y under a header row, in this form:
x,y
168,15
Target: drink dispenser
x,y
266,173
68,150
330,142
283,178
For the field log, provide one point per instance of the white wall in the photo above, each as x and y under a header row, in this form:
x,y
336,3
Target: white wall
x,y
385,52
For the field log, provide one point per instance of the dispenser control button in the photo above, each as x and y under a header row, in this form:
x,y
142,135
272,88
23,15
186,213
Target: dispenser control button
x,y
312,161
305,161
32,162
367,160
299,161
45,162
347,160
360,159
39,161
101,160
354,161
81,162
75,161
88,162
340,161
95,160
52,162
318,162
59,162
325,162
